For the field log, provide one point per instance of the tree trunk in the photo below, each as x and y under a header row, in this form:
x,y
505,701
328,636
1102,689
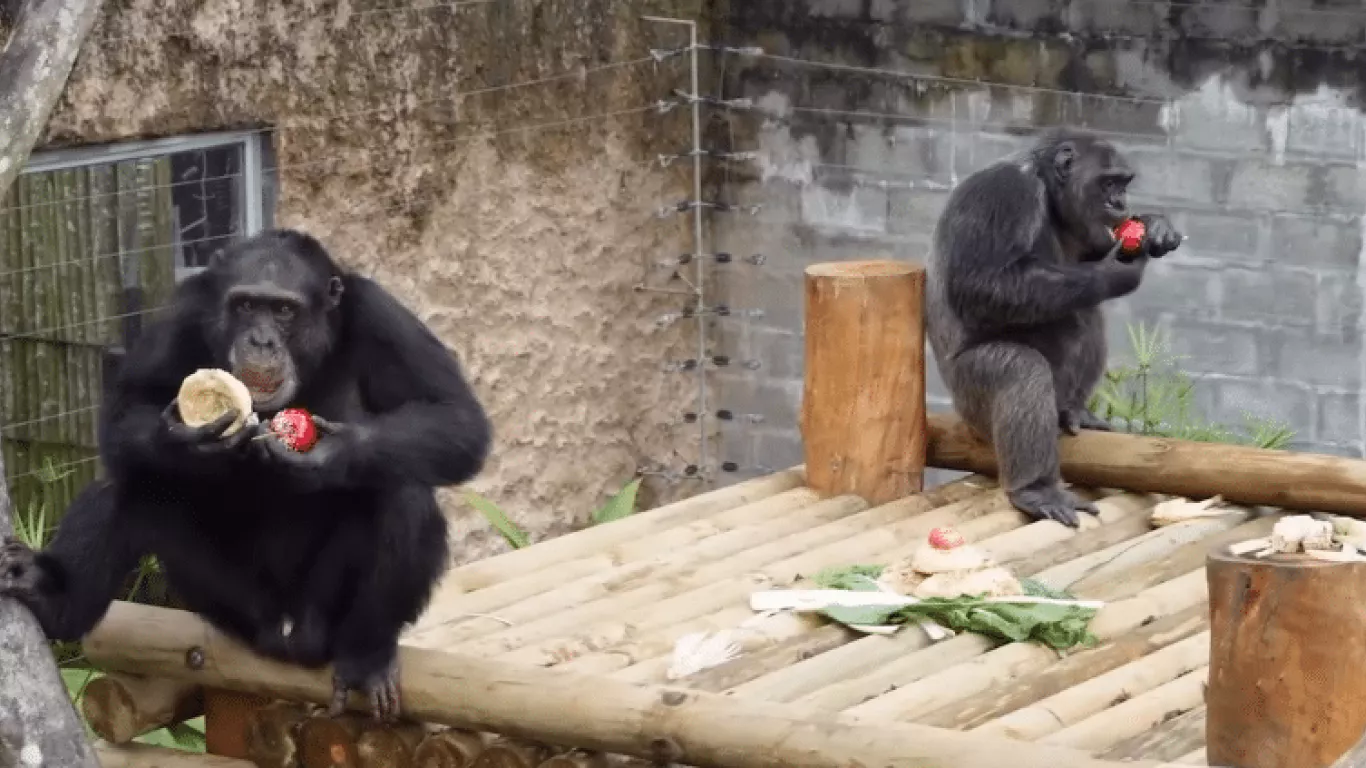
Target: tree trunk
x,y
38,721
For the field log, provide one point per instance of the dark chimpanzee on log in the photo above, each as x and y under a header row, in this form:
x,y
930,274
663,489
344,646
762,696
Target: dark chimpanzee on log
x,y
314,557
1024,255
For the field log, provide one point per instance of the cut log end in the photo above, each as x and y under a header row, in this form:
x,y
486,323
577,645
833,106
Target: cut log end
x,y
273,735
452,748
1287,682
121,707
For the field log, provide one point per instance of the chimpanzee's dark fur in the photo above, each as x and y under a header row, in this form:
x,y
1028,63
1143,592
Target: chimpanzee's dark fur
x,y
314,557
1023,257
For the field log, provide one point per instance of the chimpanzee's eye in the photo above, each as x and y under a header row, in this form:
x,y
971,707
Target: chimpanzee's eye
x,y
285,312
244,306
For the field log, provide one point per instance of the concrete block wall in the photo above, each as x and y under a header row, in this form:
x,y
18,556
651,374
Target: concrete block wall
x,y
1245,124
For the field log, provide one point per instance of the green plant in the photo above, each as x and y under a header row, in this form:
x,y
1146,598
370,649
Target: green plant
x,y
622,504
34,526
1152,397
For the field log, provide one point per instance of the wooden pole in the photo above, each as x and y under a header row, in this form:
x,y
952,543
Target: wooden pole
x,y
863,406
147,756
1287,681
1241,474
554,707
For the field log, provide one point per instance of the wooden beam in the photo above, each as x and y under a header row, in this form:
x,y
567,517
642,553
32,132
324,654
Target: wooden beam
x,y
863,405
147,756
571,710
1241,474
1287,682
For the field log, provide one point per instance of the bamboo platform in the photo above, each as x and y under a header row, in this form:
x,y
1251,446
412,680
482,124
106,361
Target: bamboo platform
x,y
613,600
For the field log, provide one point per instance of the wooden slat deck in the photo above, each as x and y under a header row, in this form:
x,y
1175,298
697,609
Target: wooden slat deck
x,y
613,599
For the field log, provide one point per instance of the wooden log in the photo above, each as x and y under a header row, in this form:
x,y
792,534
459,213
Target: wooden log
x,y
1241,474
1075,670
1197,757
1285,685
389,745
690,727
147,756
328,742
119,708
589,541
1134,716
715,586
863,404
1089,698
273,734
448,748
867,655
1172,740
226,717
798,512
510,752
577,758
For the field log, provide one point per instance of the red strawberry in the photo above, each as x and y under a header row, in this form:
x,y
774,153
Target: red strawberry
x,y
295,427
945,538
1130,235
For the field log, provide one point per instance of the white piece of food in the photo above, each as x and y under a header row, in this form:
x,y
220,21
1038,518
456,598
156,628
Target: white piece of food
x,y
991,582
208,393
930,561
900,577
1180,509
1297,532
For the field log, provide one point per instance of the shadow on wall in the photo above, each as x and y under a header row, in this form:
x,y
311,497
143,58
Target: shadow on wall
x,y
1245,123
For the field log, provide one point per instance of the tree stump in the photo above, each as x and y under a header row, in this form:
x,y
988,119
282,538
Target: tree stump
x,y
1287,679
863,404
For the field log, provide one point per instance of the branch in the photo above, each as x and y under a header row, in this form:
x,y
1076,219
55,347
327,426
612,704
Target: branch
x,y
38,721
34,66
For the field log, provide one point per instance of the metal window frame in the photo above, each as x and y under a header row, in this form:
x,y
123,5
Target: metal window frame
x,y
255,154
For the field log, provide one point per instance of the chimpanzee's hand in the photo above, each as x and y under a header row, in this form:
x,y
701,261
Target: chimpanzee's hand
x,y
1160,237
325,464
207,440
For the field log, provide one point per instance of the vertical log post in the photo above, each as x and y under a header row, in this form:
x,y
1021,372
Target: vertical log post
x,y
863,406
1287,673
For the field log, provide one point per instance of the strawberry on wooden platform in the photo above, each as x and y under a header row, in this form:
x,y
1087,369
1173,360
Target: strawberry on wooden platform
x,y
295,428
945,538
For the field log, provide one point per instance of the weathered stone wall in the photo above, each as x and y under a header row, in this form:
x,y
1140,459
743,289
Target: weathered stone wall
x,y
521,249
1245,122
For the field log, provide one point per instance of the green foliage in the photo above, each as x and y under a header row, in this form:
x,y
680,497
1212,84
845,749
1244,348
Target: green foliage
x,y
1152,397
1058,626
621,505
34,526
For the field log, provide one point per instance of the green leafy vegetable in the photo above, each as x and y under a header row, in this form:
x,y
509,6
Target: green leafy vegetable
x,y
1057,626
622,504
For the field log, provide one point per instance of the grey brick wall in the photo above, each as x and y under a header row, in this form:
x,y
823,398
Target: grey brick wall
x,y
1244,123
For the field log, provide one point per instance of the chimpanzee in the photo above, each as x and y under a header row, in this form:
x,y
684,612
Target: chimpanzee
x,y
1024,255
312,557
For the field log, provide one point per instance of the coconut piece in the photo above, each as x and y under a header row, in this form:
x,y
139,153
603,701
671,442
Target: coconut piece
x,y
991,581
900,577
208,393
1299,532
1181,509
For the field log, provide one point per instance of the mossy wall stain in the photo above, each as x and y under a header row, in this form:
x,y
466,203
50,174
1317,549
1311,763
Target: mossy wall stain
x,y
521,249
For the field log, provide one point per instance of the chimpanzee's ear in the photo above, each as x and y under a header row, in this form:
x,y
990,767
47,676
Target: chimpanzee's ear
x,y
334,292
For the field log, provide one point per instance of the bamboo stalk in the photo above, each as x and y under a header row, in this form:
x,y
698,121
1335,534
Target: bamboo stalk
x,y
1172,740
699,729
1073,671
939,686
589,541
1072,706
1241,474
716,587
547,592
449,748
119,708
147,756
1135,716
848,675
865,366
273,734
